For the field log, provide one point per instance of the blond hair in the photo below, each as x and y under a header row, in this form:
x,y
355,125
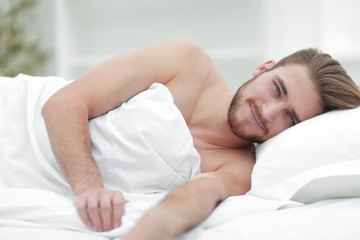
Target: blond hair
x,y
336,88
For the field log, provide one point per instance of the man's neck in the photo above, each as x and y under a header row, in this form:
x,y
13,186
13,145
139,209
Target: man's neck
x,y
210,128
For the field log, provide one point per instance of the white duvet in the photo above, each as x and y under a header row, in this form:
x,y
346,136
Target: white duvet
x,y
143,146
305,182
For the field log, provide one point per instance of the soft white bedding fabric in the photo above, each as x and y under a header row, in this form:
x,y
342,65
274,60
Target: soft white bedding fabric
x,y
304,169
42,213
37,208
25,158
328,219
143,146
315,160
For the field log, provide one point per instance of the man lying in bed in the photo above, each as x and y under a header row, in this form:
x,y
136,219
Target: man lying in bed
x,y
224,125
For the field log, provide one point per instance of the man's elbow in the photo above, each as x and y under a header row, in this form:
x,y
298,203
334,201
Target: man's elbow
x,y
47,108
52,105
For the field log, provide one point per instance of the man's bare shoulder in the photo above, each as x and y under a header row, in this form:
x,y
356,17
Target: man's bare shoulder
x,y
198,79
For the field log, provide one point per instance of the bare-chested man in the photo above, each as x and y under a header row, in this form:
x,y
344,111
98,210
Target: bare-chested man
x,y
224,125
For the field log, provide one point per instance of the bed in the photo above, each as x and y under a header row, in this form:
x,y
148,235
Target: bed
x,y
305,185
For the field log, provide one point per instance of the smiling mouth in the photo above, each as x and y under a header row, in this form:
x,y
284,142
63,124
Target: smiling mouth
x,y
255,116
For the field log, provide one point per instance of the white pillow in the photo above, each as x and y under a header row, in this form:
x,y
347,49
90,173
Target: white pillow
x,y
314,160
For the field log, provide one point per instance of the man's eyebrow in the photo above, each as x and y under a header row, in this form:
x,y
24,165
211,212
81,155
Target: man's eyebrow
x,y
284,90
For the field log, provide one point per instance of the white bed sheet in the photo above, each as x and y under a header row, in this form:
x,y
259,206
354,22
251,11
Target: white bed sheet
x,y
40,214
41,233
328,219
41,209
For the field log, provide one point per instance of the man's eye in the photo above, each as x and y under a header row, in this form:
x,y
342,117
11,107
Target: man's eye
x,y
277,89
292,119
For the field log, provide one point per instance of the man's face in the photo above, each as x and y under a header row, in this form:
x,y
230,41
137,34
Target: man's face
x,y
272,102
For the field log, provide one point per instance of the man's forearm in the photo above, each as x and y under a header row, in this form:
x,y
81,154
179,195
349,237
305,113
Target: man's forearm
x,y
183,209
67,127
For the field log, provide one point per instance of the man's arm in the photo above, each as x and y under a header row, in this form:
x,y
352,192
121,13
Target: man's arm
x,y
190,204
106,87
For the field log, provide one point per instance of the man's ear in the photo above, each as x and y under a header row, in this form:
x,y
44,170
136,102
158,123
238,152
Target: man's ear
x,y
264,67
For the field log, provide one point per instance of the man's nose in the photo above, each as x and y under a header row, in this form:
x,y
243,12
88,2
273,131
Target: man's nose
x,y
271,110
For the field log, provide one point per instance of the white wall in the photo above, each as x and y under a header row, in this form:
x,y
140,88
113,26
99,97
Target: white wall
x,y
238,34
96,30
332,26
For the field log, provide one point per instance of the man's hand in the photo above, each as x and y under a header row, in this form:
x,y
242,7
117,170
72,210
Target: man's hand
x,y
100,209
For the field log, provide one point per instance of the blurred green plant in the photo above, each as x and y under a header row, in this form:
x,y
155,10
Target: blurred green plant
x,y
20,52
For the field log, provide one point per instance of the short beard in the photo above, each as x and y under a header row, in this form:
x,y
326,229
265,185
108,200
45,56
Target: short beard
x,y
236,126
